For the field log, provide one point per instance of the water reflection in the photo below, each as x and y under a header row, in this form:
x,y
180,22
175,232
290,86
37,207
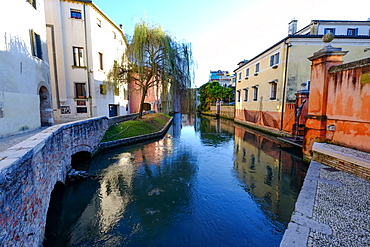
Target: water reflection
x,y
206,183
271,175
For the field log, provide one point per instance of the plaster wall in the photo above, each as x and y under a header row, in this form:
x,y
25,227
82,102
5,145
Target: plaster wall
x,y
298,72
22,74
341,29
95,33
348,107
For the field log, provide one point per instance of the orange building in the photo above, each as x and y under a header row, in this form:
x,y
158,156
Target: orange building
x,y
152,101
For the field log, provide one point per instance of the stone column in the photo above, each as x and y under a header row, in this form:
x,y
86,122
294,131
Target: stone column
x,y
316,119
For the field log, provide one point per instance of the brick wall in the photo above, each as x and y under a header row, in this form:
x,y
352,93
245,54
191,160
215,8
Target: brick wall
x,y
344,159
225,111
29,172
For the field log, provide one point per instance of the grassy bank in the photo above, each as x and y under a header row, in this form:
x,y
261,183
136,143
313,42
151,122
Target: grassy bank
x,y
150,123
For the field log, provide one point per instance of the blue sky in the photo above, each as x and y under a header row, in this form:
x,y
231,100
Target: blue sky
x,y
222,33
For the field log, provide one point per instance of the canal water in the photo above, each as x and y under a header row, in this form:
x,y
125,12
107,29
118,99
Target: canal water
x,y
208,182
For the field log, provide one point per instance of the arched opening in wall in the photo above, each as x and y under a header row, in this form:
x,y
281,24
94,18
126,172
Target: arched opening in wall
x,y
147,107
81,161
69,202
55,207
46,110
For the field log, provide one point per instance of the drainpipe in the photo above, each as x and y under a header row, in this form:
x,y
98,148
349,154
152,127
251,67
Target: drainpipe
x,y
55,64
87,64
285,83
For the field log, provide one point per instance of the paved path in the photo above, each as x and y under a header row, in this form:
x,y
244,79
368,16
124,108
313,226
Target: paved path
x,y
9,141
333,209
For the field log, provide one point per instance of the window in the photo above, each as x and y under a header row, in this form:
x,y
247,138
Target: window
x,y
36,45
273,90
255,93
116,91
80,90
76,14
101,61
329,30
257,69
78,56
352,31
274,60
81,109
125,93
240,76
114,35
238,96
98,22
245,94
103,89
246,73
32,2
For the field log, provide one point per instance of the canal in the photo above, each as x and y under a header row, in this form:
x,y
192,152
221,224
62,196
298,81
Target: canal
x,y
207,182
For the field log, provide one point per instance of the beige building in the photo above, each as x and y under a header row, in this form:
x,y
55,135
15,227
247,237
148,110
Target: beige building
x,y
266,85
84,44
25,89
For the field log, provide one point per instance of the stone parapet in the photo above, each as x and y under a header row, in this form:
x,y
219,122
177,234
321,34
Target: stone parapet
x,y
342,158
29,172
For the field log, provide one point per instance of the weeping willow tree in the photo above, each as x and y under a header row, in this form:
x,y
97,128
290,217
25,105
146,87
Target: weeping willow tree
x,y
154,58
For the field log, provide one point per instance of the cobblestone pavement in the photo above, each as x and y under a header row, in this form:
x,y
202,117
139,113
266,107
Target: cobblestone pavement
x,y
333,209
9,141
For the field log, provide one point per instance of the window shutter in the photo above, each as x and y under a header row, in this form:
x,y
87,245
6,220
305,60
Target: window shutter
x,y
38,46
32,37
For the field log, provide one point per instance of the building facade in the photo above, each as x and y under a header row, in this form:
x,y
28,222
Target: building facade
x,y
223,77
84,46
25,88
266,85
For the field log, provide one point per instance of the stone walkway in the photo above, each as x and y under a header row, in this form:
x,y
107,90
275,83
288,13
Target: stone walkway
x,y
333,209
9,141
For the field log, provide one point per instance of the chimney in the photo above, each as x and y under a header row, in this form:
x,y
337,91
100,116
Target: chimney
x,y
120,26
292,28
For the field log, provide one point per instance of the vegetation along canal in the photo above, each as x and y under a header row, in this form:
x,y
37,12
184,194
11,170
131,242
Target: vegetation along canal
x,y
208,182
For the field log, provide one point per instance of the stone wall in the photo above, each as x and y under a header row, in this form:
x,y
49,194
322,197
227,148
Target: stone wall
x,y
30,170
225,111
342,158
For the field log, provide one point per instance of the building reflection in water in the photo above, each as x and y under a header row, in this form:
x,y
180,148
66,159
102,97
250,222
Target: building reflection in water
x,y
177,191
269,174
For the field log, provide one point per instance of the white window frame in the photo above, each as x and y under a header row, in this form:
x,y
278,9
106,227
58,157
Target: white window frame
x,y
78,56
274,60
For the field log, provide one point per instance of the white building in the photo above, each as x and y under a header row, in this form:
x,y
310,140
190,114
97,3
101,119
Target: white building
x,y
83,45
25,89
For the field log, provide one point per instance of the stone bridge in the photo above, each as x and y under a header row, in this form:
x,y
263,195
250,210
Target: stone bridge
x,y
30,170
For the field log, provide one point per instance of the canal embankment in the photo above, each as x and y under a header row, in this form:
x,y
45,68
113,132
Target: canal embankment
x,y
136,139
332,207
30,169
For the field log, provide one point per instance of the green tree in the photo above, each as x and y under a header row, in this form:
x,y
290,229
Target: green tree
x,y
211,92
152,58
